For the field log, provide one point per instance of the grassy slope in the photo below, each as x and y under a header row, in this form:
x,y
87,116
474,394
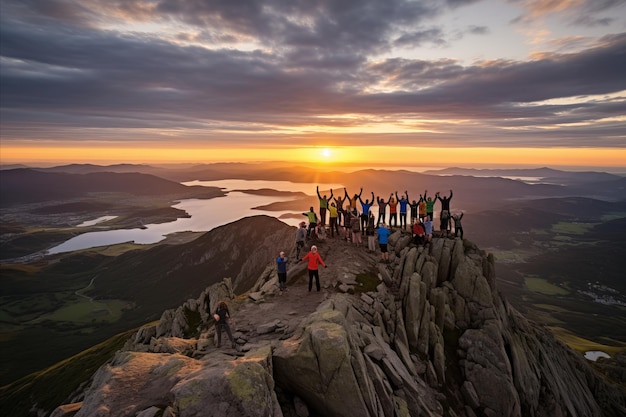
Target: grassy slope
x,y
547,253
53,385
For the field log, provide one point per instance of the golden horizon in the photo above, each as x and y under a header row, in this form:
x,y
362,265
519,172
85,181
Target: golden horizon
x,y
322,155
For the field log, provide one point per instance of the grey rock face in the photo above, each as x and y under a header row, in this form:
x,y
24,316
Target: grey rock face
x,y
434,339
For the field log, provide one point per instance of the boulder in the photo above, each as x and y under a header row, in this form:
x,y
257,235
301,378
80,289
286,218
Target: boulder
x,y
317,367
142,383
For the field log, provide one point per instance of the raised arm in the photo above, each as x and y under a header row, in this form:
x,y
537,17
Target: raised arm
x,y
397,198
373,197
331,195
345,193
360,192
317,190
407,195
450,198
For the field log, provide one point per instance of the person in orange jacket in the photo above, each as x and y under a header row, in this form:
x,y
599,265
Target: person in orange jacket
x,y
314,259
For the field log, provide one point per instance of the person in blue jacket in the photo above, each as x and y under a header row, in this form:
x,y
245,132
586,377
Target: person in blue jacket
x,y
383,239
403,203
281,268
365,211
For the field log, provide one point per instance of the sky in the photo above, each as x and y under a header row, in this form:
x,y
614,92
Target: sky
x,y
423,82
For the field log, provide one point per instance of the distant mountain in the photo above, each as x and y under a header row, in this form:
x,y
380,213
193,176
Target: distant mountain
x,y
12,166
29,185
547,174
90,168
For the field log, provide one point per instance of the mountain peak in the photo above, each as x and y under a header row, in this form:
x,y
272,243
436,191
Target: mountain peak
x,y
425,334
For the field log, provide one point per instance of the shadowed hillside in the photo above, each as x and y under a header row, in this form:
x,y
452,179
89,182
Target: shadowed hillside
x,y
40,302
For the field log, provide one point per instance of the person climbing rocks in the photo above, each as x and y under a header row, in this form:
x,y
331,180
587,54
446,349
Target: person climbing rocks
x,y
222,316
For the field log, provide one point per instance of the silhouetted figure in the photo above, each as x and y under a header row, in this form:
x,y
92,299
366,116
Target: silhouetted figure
x,y
458,228
445,212
382,209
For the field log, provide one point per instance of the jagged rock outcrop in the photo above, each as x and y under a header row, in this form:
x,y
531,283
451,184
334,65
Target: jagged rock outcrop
x,y
135,383
434,339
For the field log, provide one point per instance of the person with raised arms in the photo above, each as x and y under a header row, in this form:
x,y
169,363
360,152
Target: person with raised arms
x,y
382,209
403,203
323,205
365,207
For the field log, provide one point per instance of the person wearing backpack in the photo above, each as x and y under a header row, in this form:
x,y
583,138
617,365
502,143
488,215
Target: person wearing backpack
x,y
222,316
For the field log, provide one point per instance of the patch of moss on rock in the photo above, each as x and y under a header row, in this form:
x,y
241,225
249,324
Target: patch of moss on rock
x,y
245,381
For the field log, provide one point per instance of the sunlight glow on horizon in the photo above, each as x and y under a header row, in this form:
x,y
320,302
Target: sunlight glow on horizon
x,y
325,155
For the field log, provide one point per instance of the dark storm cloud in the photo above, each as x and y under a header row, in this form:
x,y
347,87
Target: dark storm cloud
x,y
59,70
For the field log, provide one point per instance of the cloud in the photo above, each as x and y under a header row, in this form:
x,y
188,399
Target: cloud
x,y
575,12
70,70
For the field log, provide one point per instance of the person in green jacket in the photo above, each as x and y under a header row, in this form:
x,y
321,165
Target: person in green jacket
x,y
323,205
430,205
312,221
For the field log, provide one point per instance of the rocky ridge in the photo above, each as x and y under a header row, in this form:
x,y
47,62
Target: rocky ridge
x,y
433,339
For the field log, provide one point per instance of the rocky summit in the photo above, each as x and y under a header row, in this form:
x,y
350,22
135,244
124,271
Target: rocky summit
x,y
426,334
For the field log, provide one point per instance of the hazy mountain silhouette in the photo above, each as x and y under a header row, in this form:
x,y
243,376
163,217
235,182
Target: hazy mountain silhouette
x,y
547,174
28,185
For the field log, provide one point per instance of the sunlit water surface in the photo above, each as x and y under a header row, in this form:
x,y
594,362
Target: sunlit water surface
x,y
205,214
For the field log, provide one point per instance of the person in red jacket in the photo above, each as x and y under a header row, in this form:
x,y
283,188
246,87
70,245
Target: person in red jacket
x,y
314,259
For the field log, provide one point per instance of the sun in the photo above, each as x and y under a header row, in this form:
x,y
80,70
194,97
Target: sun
x,y
326,153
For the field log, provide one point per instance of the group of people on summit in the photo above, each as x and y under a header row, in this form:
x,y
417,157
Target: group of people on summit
x,y
357,223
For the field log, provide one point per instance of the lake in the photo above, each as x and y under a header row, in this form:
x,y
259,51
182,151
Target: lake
x,y
205,214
